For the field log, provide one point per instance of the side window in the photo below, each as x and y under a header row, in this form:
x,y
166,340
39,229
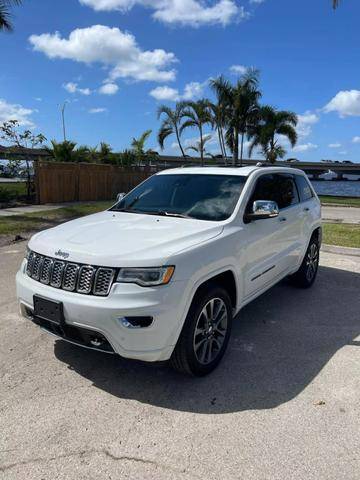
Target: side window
x,y
278,188
287,191
264,190
304,188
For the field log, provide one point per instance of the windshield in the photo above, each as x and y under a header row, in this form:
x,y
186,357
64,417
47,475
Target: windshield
x,y
204,197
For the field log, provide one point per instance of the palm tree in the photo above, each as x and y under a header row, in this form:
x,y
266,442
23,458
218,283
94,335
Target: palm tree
x,y
200,148
5,5
273,122
336,3
63,151
171,124
198,115
138,144
218,122
242,108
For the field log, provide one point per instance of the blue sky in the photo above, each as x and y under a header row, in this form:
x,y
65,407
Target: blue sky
x,y
115,61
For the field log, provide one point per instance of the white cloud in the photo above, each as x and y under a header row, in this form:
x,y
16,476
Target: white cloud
x,y
305,147
334,145
238,69
165,93
257,2
11,111
343,152
356,140
111,47
192,90
108,89
98,110
346,103
305,123
73,88
183,12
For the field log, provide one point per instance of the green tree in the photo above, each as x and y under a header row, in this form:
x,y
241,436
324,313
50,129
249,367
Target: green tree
x,y
171,124
105,153
138,146
198,115
272,123
62,151
5,13
199,147
219,118
240,104
21,141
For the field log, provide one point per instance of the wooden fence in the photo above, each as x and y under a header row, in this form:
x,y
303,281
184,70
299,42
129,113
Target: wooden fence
x,y
72,182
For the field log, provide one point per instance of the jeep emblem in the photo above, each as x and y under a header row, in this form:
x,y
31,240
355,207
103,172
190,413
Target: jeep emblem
x,y
61,254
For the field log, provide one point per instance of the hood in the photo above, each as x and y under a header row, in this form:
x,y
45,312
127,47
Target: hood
x,y
120,239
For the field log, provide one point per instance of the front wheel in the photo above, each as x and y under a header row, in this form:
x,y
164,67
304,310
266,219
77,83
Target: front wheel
x,y
306,275
205,334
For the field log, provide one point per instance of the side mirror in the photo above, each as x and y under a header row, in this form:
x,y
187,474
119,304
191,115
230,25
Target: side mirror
x,y
120,196
262,209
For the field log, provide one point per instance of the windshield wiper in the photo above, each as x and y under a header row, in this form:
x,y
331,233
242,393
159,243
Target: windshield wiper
x,y
170,214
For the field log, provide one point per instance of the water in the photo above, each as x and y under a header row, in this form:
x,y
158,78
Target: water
x,y
338,189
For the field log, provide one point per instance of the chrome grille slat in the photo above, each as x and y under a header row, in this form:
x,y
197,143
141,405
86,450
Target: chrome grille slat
x,y
70,276
36,268
86,277
103,281
46,271
57,273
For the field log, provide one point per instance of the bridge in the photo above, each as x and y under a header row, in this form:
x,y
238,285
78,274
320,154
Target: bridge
x,y
313,169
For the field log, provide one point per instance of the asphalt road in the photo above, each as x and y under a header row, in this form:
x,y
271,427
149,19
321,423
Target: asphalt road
x,y
284,404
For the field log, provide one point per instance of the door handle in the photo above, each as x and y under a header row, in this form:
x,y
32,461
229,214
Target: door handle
x,y
306,209
282,219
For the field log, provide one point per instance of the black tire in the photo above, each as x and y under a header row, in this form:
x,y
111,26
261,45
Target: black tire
x,y
306,275
199,333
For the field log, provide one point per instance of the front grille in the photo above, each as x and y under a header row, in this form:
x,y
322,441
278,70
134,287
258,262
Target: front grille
x,y
69,276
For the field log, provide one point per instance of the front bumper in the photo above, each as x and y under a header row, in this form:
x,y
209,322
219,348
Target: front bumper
x,y
166,304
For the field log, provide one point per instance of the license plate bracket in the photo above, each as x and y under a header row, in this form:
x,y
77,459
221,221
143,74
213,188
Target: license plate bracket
x,y
49,310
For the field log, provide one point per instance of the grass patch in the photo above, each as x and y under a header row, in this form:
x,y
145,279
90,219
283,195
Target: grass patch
x,y
18,224
344,235
15,189
346,201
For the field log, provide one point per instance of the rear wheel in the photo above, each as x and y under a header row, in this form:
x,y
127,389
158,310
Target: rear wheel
x,y
306,275
205,334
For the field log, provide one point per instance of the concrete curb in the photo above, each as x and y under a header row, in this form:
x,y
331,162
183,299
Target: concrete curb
x,y
338,205
355,252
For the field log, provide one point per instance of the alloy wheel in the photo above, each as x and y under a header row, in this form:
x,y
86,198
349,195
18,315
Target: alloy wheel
x,y
312,261
210,331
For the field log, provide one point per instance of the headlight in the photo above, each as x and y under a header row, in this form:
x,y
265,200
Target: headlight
x,y
146,277
27,253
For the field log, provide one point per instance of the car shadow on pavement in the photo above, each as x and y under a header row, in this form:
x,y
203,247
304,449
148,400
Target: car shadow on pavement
x,y
280,342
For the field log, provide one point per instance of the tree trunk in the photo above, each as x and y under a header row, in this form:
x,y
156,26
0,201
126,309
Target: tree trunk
x,y
179,142
201,146
224,145
242,149
221,145
236,147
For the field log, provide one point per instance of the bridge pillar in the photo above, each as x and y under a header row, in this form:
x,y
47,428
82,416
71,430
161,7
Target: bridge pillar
x,y
339,176
315,176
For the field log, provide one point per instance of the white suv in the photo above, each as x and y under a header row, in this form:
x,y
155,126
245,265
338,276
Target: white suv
x,y
162,273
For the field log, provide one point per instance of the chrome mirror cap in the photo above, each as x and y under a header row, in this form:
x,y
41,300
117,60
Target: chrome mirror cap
x,y
263,209
120,196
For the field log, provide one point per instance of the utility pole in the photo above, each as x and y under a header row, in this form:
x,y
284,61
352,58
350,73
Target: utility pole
x,y
63,118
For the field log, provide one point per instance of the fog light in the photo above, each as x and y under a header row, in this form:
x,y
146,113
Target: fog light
x,y
136,322
96,342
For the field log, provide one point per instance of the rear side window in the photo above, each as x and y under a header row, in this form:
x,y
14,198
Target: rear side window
x,y
304,188
278,188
